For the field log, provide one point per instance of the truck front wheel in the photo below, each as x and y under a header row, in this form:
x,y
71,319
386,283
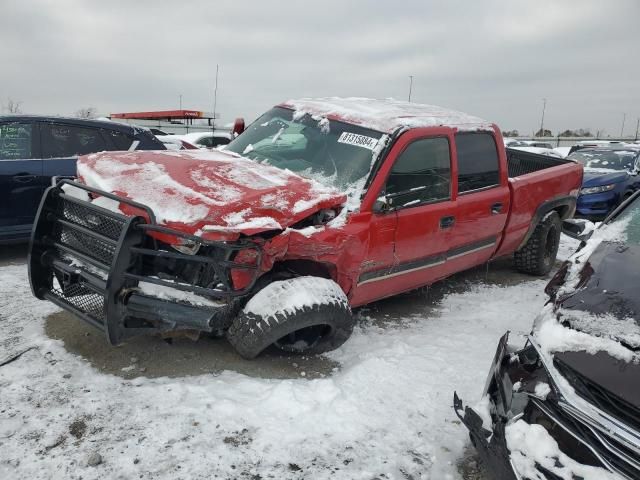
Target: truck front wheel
x,y
300,315
538,255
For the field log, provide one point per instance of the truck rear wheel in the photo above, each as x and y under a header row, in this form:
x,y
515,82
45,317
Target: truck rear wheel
x,y
538,255
299,315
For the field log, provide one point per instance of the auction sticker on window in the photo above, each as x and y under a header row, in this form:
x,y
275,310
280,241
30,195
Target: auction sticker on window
x,y
358,140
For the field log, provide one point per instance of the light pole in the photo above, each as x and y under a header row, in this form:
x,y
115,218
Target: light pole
x,y
624,118
637,128
180,101
410,86
215,102
544,107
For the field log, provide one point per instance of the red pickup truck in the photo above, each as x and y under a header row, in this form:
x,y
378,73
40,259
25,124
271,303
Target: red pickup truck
x,y
319,206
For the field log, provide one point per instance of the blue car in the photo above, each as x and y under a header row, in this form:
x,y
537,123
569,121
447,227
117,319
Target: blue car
x,y
610,177
33,149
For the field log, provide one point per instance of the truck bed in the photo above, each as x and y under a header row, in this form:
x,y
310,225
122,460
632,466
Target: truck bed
x,y
536,182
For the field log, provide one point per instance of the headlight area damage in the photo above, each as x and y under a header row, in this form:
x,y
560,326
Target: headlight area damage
x,y
532,424
122,274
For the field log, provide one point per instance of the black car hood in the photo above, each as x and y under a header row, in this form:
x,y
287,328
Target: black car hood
x,y
609,291
592,375
609,284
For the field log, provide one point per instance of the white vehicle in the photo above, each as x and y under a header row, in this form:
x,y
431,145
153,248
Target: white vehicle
x,y
207,139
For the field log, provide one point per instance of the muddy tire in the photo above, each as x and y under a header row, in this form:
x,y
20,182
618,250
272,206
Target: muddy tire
x,y
538,255
304,315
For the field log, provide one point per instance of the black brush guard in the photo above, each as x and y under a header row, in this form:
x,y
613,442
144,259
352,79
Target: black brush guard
x,y
89,261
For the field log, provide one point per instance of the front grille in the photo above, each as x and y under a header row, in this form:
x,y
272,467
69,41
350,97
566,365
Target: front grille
x,y
603,399
83,299
619,456
84,230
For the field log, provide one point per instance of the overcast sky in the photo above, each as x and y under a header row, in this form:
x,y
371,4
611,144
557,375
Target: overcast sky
x,y
494,59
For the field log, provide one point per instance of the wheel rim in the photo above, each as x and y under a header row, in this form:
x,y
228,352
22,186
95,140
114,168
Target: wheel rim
x,y
551,245
303,339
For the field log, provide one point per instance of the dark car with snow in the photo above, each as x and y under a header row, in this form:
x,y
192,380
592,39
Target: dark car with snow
x,y
568,404
33,149
318,207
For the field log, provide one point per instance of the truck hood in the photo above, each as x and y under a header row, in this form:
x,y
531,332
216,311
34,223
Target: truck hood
x,y
212,194
597,178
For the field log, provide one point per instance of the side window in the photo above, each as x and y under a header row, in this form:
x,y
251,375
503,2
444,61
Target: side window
x,y
423,171
16,141
121,141
478,165
217,141
205,142
63,141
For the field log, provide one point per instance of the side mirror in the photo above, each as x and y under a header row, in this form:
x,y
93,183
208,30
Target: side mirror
x,y
578,228
382,204
238,126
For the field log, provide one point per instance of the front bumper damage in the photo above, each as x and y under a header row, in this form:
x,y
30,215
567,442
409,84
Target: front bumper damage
x,y
585,435
92,262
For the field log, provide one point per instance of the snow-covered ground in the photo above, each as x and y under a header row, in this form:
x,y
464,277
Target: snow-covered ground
x,y
385,413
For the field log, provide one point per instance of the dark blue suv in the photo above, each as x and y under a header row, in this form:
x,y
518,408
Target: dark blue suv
x,y
610,176
33,149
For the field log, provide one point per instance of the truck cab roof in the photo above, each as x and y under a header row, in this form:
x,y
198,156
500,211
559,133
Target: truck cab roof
x,y
386,115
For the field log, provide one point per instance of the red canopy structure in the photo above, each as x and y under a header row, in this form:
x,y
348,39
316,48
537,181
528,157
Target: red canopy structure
x,y
166,115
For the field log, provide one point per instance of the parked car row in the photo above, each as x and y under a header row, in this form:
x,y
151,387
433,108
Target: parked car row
x,y
567,405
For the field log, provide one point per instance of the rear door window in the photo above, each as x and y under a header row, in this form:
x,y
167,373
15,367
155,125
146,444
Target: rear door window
x,y
120,140
63,141
16,141
422,173
478,164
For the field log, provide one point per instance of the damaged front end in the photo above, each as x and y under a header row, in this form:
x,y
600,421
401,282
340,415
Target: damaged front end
x,y
532,425
127,275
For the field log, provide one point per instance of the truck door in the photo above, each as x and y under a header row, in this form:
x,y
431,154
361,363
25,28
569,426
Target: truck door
x,y
482,203
20,170
418,193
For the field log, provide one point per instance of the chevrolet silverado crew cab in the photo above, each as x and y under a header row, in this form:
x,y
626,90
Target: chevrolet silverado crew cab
x,y
318,207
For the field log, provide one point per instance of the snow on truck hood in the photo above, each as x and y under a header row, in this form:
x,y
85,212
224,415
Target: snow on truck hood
x,y
207,193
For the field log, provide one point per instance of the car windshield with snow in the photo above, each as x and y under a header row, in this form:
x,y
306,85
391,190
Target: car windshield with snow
x,y
318,207
568,404
334,153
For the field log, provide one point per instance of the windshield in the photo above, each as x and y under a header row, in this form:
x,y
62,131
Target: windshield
x,y
336,154
625,227
608,160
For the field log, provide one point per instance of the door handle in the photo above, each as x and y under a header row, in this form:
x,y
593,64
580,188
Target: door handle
x,y
447,222
496,208
24,178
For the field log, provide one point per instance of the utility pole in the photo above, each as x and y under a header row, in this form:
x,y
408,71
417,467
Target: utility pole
x,y
637,128
624,117
544,107
180,101
410,86
215,102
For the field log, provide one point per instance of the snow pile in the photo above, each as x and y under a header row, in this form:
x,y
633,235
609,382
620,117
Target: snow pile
x,y
531,445
167,293
607,325
554,337
289,296
385,115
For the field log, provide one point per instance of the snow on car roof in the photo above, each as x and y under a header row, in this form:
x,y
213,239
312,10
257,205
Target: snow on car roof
x,y
386,115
